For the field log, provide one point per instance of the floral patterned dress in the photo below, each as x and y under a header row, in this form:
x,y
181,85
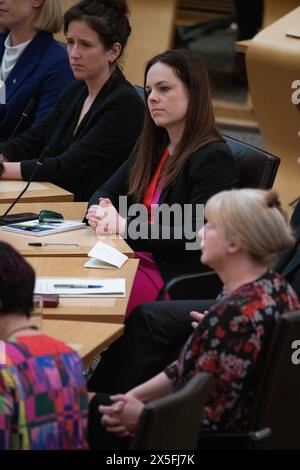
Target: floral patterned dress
x,y
230,344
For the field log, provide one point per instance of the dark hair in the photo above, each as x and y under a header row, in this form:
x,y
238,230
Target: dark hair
x,y
200,127
109,18
17,280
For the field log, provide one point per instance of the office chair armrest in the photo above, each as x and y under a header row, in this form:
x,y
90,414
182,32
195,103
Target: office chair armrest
x,y
176,280
254,436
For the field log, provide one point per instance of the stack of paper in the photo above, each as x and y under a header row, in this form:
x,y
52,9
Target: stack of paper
x,y
80,287
105,257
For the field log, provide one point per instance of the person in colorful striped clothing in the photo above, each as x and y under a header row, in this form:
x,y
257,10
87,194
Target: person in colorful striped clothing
x,y
43,397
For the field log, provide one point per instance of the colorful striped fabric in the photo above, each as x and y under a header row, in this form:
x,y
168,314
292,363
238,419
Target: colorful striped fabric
x,y
43,397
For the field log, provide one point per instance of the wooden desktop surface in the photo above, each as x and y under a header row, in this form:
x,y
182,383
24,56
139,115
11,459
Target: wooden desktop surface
x,y
70,210
86,237
87,338
111,310
273,60
37,192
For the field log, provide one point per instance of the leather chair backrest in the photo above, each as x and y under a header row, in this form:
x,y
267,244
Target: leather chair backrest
x,y
258,168
277,399
140,91
173,422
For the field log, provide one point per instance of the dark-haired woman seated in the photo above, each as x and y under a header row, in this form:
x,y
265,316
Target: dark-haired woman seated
x,y
181,160
97,119
43,398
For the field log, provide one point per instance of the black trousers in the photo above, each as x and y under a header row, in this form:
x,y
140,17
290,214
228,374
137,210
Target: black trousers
x,y
98,437
154,335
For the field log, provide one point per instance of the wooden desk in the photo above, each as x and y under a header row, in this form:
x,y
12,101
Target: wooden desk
x,y
86,237
272,65
70,210
37,192
110,310
87,338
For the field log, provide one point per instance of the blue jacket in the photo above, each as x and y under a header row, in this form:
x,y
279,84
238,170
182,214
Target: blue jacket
x,y
41,73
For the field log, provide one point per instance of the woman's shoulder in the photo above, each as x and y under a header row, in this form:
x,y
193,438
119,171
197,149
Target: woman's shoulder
x,y
214,157
51,49
122,90
217,151
269,291
25,347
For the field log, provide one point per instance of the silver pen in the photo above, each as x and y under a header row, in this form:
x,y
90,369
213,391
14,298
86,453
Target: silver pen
x,y
52,243
77,286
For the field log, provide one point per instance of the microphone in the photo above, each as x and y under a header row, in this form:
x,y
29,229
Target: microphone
x,y
27,111
40,161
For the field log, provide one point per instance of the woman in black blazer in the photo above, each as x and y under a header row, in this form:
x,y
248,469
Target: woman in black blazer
x,y
97,119
180,159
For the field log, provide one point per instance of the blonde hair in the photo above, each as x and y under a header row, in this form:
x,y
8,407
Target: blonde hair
x,y
255,218
50,16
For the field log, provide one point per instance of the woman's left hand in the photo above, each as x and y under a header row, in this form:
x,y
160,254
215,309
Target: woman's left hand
x,y
110,221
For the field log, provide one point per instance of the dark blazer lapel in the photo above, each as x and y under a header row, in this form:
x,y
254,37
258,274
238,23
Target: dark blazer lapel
x,y
2,47
27,62
294,260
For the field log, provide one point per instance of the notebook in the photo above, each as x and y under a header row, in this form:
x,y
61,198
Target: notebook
x,y
36,229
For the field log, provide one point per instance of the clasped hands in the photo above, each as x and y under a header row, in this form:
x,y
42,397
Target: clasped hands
x,y
105,219
122,417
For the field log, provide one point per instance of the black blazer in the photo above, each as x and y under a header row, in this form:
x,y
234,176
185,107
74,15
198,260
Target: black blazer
x,y
289,261
79,161
206,171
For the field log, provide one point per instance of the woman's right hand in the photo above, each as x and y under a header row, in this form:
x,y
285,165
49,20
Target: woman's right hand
x,y
96,213
92,216
198,317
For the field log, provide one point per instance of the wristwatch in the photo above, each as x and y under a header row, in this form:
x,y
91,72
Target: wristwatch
x,y
2,168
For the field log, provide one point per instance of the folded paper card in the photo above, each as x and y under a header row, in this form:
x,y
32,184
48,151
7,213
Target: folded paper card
x,y
105,257
80,287
37,229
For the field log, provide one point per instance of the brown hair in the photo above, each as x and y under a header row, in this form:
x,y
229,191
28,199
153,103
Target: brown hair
x,y
200,127
108,18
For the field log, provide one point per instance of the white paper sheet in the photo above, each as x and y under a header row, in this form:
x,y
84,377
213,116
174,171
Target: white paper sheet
x,y
109,287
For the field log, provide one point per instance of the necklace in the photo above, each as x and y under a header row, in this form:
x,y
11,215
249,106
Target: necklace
x,y
29,327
